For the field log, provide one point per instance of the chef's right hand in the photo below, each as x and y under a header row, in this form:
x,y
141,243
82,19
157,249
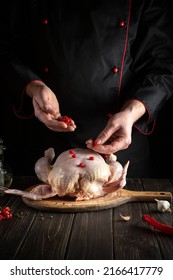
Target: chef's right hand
x,y
46,107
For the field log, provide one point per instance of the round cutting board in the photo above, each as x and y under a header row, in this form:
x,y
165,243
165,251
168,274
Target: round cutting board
x,y
67,204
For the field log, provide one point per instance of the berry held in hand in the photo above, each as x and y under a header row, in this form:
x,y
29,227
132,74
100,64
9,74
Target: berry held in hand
x,y
65,119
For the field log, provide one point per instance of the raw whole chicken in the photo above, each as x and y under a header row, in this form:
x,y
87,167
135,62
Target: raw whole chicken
x,y
79,173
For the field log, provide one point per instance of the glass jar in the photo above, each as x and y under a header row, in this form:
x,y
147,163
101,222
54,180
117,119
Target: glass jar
x,y
6,174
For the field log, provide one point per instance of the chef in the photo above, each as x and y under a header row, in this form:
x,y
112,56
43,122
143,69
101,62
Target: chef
x,y
108,65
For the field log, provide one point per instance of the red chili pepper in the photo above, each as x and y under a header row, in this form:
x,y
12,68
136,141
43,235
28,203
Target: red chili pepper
x,y
157,225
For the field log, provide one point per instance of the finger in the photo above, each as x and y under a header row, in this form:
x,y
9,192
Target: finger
x,y
89,142
102,149
61,129
58,126
113,147
68,121
41,114
72,123
50,122
49,109
105,135
46,106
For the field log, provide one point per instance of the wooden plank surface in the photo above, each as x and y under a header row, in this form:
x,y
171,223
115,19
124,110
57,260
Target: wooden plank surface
x,y
48,237
165,242
132,239
91,237
14,231
37,234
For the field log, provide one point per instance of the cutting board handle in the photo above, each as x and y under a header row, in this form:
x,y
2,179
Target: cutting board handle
x,y
147,195
110,200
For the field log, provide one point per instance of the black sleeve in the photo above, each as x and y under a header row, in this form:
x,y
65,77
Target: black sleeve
x,y
153,60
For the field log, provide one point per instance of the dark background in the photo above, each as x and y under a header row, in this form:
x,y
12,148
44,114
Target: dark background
x,y
161,141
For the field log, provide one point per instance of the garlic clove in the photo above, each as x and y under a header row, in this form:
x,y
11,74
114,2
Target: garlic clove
x,y
125,218
163,205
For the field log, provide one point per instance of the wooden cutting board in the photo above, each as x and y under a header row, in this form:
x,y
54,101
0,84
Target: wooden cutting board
x,y
67,204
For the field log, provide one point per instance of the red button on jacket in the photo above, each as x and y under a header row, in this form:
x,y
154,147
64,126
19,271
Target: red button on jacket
x,y
122,23
45,21
115,69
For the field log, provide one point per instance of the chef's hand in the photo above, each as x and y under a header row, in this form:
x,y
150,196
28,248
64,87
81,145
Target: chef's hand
x,y
117,135
46,107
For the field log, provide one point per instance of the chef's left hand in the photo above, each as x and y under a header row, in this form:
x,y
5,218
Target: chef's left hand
x,y
117,135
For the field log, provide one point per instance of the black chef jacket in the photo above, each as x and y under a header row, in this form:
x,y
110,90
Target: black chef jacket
x,y
94,55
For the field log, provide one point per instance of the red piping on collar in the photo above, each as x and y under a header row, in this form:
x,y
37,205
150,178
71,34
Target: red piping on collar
x,y
125,48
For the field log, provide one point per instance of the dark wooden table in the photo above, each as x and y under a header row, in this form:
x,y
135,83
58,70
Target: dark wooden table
x,y
97,235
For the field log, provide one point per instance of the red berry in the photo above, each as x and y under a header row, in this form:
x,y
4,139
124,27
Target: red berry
x,y
95,143
71,152
109,115
7,209
91,158
105,156
73,156
1,218
5,212
65,119
82,165
9,216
